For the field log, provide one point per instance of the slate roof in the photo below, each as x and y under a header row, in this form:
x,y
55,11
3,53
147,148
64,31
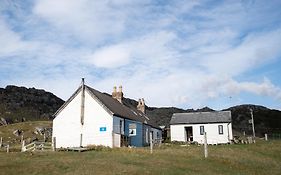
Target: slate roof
x,y
201,117
114,107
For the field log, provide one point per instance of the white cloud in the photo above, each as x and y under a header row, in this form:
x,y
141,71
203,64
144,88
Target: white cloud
x,y
89,21
255,50
110,57
10,41
266,88
177,53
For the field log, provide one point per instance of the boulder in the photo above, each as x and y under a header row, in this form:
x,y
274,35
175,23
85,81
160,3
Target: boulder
x,y
3,121
29,140
39,130
17,132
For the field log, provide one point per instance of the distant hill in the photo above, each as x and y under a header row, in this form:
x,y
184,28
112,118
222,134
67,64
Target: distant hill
x,y
27,104
265,120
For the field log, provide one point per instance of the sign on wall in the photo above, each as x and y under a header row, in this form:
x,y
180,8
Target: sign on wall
x,y
102,129
132,129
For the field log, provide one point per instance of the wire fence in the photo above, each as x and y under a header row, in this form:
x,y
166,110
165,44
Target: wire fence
x,y
274,136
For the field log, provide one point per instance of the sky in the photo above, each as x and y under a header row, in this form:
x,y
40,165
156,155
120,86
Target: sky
x,y
181,53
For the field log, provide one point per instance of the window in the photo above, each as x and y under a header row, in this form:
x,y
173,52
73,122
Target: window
x,y
202,130
120,127
220,129
146,135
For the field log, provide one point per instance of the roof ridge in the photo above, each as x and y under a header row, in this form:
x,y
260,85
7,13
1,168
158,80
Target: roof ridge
x,y
121,109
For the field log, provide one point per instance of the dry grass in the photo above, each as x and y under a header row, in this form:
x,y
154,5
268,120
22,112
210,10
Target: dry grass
x,y
6,132
260,158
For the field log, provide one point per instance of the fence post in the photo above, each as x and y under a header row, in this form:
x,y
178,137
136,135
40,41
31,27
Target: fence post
x,y
250,140
54,144
44,137
205,145
22,146
151,143
265,137
1,142
8,148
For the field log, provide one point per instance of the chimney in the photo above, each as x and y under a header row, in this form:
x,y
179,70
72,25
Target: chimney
x,y
141,105
114,93
117,95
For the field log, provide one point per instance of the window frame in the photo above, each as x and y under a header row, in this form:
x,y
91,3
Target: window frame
x,y
220,129
202,130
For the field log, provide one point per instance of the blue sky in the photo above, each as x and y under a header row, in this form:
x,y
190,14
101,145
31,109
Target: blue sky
x,y
182,53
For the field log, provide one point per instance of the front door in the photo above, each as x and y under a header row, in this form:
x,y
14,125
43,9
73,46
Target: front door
x,y
188,134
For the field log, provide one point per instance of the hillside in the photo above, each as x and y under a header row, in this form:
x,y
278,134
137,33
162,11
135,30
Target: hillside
x,y
266,120
26,104
28,130
29,104
162,116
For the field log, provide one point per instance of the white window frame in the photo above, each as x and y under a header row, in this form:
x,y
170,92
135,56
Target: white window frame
x,y
220,129
202,130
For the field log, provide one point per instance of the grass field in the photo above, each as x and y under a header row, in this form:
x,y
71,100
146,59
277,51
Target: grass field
x,y
28,128
260,158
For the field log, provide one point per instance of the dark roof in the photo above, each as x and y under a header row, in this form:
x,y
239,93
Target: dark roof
x,y
113,106
201,117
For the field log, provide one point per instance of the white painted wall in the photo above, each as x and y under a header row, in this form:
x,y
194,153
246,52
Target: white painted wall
x,y
95,118
67,127
116,140
213,137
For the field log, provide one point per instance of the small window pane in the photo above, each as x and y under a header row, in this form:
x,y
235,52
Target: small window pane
x,y
220,129
201,130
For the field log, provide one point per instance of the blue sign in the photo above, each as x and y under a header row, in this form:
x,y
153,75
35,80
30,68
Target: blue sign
x,y
102,129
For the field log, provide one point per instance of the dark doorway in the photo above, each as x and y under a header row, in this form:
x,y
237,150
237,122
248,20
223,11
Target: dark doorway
x,y
188,134
125,141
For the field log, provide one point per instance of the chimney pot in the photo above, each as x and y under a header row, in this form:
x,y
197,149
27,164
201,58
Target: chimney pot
x,y
117,95
120,88
141,105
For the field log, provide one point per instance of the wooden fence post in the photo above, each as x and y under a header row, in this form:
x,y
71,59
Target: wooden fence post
x,y
250,140
8,148
1,142
54,144
22,146
44,137
151,143
205,145
265,137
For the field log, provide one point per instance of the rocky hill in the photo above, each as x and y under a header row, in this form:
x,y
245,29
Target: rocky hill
x,y
29,104
26,104
265,120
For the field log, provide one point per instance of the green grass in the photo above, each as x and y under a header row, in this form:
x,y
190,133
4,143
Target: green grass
x,y
28,128
260,158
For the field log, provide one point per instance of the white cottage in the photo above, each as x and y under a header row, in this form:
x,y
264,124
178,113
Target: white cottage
x,y
90,117
191,127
